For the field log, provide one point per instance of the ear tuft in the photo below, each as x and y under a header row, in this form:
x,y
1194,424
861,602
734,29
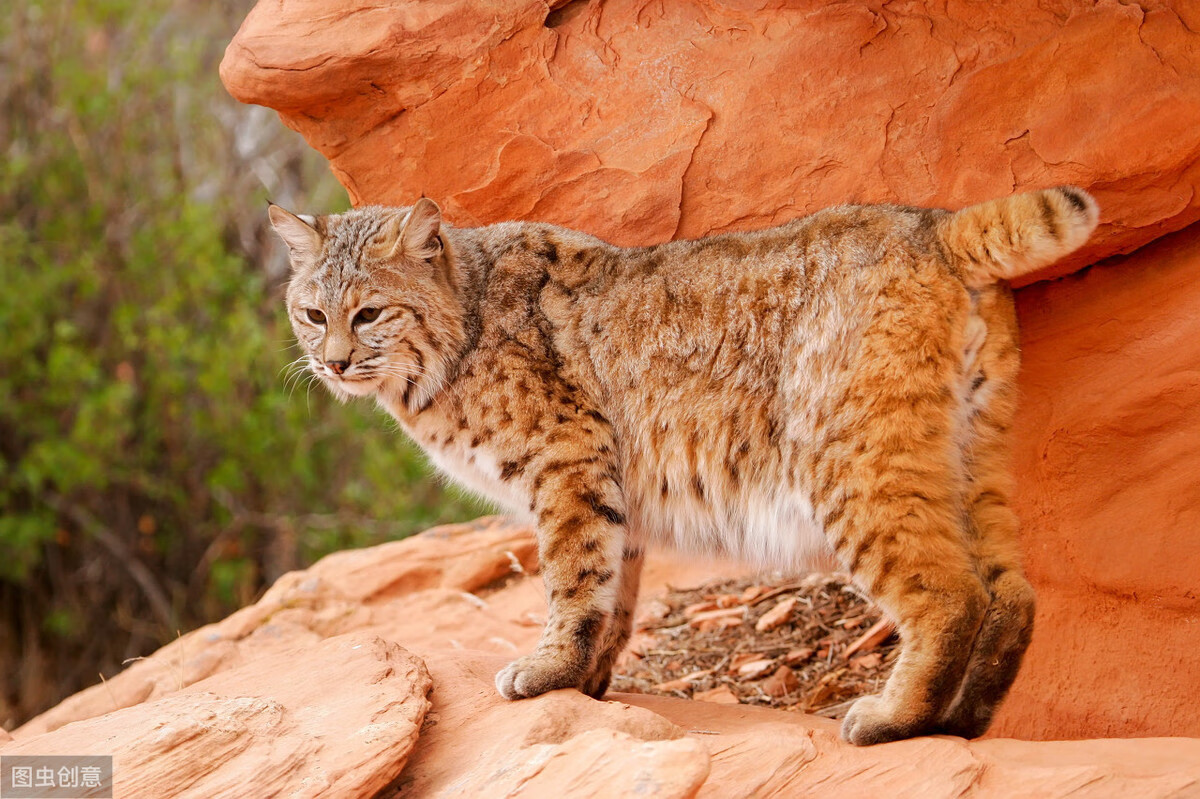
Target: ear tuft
x,y
419,238
297,233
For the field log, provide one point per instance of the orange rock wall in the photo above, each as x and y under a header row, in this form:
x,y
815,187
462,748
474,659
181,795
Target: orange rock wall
x,y
644,121
1109,488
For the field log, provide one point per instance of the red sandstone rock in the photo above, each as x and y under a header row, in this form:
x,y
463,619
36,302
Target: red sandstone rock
x,y
777,616
642,122
415,590
760,752
338,718
305,695
720,695
781,683
754,669
594,763
346,591
1109,497
477,744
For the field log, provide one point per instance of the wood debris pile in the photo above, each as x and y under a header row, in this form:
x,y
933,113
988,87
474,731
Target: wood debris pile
x,y
814,645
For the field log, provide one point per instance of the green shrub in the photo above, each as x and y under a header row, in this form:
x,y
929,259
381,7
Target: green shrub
x,y
156,467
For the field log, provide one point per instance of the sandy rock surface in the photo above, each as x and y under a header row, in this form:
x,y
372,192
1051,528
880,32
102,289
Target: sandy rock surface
x,y
1108,491
324,688
640,122
348,591
338,717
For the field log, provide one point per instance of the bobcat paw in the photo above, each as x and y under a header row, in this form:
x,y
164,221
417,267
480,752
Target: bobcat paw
x,y
966,723
596,684
871,721
536,674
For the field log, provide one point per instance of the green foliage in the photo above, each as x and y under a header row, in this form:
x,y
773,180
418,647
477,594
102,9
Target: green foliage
x,y
156,469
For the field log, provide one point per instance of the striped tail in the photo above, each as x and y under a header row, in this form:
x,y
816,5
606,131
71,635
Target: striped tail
x,y
1004,239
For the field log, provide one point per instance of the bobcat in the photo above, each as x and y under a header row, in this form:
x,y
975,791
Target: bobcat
x,y
840,386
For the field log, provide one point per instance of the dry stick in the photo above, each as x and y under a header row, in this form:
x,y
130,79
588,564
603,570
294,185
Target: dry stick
x,y
783,589
836,710
179,674
872,638
826,608
112,697
141,575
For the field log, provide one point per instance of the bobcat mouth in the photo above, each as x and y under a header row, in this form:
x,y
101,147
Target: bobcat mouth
x,y
352,385
349,374
353,379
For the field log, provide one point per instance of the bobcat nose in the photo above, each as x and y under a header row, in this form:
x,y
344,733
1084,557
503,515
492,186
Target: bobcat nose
x,y
337,366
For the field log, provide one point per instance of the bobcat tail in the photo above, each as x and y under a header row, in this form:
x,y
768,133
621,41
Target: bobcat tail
x,y
1006,238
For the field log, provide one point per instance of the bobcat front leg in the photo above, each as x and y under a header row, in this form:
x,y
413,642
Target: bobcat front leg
x,y
580,510
621,627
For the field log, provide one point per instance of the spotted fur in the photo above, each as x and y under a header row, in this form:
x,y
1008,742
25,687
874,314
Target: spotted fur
x,y
836,389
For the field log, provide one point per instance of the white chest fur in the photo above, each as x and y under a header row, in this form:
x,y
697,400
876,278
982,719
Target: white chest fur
x,y
476,469
769,529
473,468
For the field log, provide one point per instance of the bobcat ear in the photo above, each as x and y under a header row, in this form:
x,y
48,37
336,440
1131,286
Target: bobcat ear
x,y
297,233
419,238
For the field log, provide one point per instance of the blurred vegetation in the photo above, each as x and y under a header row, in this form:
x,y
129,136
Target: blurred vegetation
x,y
156,469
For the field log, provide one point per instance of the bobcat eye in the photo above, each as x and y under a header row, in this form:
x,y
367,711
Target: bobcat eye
x,y
367,315
316,317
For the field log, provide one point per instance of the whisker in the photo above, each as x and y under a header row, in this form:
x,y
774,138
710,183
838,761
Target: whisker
x,y
293,382
296,369
293,363
308,394
374,368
